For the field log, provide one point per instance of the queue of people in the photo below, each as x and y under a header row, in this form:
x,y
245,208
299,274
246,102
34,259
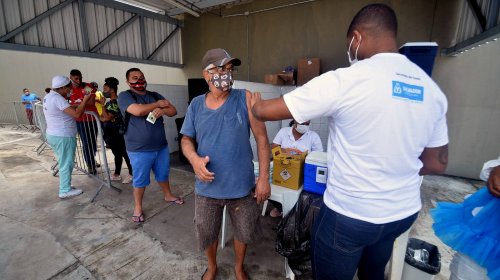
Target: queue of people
x,y
373,187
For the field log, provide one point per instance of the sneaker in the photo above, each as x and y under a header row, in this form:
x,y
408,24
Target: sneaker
x,y
127,179
115,177
71,193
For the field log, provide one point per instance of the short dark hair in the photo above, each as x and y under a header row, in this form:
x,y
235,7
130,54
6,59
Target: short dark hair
x,y
75,72
131,70
47,90
25,89
381,16
112,82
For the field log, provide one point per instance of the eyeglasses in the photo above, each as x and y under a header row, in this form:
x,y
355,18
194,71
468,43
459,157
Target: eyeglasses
x,y
222,70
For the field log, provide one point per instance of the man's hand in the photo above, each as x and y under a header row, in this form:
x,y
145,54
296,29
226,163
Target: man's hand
x,y
201,171
102,101
163,103
254,98
262,190
158,113
494,182
292,151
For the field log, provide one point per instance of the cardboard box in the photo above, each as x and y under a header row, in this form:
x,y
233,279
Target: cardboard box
x,y
287,78
307,69
288,170
273,79
279,79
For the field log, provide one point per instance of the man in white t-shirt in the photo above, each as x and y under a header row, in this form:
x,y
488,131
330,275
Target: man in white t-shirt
x,y
387,129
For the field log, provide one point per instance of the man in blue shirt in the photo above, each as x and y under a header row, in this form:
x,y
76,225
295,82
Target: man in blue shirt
x,y
145,139
27,98
220,122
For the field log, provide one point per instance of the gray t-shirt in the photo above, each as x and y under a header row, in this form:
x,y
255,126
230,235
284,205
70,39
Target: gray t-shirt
x,y
224,136
141,135
58,122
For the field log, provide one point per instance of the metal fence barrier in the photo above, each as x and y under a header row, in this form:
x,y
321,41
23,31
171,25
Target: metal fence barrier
x,y
41,124
90,156
16,113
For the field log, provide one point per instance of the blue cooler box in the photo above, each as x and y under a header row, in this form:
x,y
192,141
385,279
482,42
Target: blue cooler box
x,y
421,53
315,173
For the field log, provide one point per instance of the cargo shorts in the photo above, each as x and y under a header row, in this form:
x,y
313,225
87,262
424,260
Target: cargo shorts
x,y
243,212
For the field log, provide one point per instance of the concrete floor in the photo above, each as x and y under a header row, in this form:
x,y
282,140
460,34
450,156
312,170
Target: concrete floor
x,y
43,237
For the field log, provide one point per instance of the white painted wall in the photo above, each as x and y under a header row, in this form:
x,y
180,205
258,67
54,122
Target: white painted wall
x,y
32,70
471,82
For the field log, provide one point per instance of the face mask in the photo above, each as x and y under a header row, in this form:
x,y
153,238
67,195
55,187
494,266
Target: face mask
x,y
68,95
352,61
302,128
140,85
106,94
222,82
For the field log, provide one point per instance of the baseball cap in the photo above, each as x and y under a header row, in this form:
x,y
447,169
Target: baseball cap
x,y
60,81
218,57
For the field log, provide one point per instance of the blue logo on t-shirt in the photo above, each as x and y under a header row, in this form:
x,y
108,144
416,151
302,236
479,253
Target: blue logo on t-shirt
x,y
407,91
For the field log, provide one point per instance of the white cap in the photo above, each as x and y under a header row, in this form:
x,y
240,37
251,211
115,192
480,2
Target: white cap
x,y
60,81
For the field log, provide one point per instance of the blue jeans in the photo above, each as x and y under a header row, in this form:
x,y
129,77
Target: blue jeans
x,y
88,135
340,245
64,148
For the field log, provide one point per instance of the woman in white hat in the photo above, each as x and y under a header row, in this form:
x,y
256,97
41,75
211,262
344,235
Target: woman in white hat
x,y
61,130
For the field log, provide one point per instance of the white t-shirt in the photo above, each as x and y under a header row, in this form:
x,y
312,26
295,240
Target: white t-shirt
x,y
383,112
309,141
58,122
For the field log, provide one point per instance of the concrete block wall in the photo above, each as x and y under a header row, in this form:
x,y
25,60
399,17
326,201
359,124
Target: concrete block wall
x,y
178,96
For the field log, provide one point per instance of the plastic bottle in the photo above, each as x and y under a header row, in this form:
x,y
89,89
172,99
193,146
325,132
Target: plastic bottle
x,y
464,268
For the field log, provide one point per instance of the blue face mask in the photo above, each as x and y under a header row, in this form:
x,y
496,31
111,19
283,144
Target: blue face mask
x,y
352,61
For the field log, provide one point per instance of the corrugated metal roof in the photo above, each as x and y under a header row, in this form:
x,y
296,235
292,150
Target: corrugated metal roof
x,y
99,27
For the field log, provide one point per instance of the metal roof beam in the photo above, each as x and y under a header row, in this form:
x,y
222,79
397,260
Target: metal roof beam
x,y
164,42
19,47
35,20
478,14
114,33
491,34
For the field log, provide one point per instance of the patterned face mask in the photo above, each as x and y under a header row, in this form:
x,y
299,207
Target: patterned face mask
x,y
223,82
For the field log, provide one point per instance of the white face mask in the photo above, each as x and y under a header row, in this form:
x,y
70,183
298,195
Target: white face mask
x,y
302,128
352,61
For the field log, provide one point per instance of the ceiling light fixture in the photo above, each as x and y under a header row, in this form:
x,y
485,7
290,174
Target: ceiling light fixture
x,y
142,6
182,7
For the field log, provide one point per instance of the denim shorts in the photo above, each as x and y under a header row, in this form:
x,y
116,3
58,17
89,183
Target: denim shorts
x,y
143,162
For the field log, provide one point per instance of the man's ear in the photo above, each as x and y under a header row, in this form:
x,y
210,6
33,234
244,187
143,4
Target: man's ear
x,y
206,76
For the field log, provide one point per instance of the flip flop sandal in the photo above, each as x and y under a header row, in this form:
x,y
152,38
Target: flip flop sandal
x,y
178,201
138,219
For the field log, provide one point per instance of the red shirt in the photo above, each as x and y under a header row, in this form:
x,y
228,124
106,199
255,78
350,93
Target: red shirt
x,y
77,95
